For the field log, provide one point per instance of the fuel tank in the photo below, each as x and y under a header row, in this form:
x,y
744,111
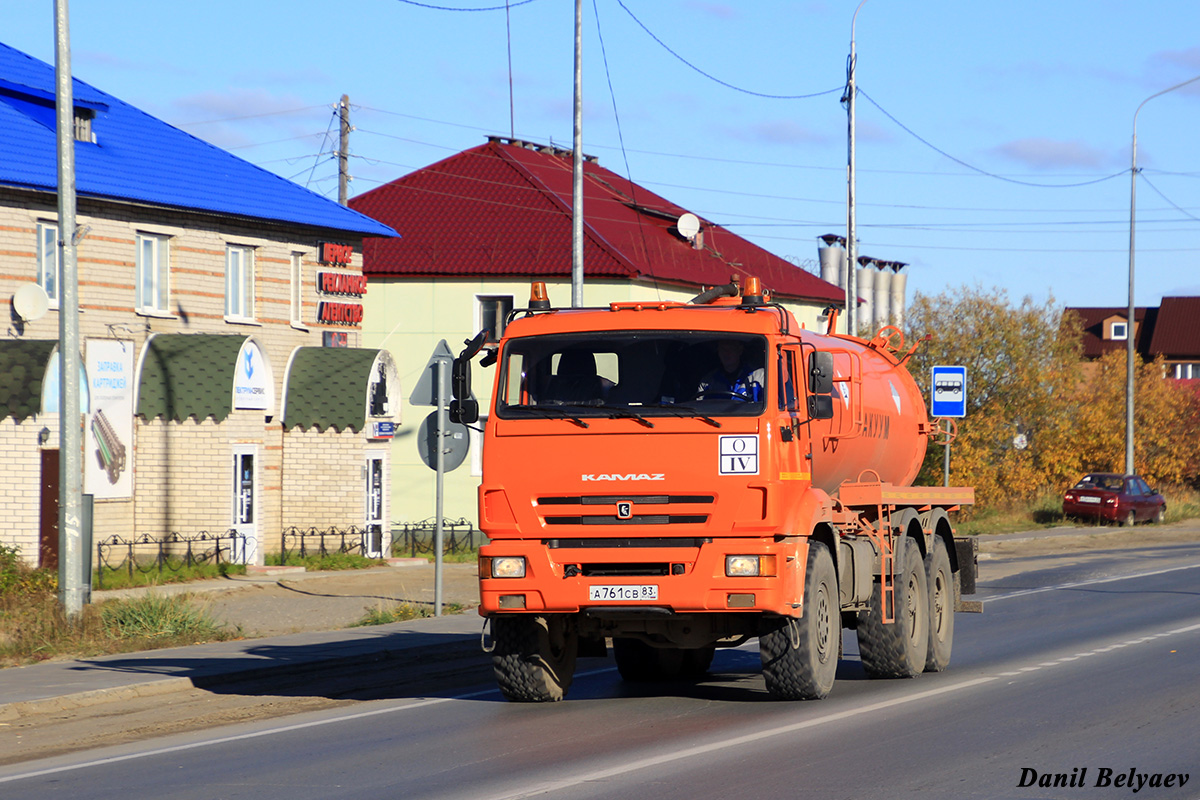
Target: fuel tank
x,y
880,423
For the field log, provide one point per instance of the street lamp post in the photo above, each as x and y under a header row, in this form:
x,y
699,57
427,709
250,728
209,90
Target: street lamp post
x,y
1129,322
851,238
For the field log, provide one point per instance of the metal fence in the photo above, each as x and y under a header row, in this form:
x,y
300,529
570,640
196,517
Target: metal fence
x,y
148,553
305,542
458,536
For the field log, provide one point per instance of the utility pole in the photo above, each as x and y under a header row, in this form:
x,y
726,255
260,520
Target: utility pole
x,y
577,168
344,150
851,236
71,584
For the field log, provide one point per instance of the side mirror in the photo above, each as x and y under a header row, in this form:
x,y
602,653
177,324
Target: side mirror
x,y
464,407
465,411
820,406
820,373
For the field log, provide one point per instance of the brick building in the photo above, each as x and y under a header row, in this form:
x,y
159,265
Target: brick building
x,y
220,307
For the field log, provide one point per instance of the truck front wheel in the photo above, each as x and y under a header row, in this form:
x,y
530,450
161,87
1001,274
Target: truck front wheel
x,y
800,656
534,656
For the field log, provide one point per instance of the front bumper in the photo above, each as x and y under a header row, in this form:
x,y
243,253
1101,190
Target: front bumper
x,y
685,580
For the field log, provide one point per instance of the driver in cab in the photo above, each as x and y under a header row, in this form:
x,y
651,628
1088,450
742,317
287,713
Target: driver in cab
x,y
732,378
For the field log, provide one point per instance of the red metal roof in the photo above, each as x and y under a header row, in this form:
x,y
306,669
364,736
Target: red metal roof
x,y
1177,331
504,209
1094,343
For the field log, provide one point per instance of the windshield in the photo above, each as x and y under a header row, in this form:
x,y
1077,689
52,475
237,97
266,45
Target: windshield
x,y
642,373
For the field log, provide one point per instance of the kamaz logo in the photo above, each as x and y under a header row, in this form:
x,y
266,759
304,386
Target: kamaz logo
x,y
633,476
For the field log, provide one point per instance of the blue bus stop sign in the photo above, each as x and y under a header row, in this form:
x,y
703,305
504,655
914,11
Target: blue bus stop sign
x,y
949,392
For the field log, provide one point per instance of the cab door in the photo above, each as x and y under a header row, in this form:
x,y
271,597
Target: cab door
x,y
792,454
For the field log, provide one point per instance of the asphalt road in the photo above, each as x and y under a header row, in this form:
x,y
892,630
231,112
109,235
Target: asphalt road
x,y
1083,666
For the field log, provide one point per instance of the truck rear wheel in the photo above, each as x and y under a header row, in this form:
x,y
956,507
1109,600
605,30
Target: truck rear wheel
x,y
898,649
534,656
941,606
800,656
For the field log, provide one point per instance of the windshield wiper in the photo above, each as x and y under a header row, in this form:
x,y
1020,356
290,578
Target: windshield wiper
x,y
620,412
683,411
552,412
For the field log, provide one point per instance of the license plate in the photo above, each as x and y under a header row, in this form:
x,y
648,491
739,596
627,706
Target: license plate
x,y
623,593
1089,499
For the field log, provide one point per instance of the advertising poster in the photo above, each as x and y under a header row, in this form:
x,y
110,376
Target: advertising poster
x,y
108,437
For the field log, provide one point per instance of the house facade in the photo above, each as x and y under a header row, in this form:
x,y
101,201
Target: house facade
x,y
224,385
1170,330
480,226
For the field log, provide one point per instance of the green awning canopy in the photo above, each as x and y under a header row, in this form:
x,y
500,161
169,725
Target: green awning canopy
x,y
327,388
22,370
188,375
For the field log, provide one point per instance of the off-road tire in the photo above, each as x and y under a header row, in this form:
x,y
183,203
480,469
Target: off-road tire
x,y
800,656
898,649
534,656
940,580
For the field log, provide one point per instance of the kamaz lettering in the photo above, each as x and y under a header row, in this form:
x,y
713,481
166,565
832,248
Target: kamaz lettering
x,y
641,476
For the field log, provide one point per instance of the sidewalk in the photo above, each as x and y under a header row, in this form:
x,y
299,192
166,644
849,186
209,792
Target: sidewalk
x,y
316,606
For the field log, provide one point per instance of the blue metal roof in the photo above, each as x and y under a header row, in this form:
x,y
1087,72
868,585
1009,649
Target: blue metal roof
x,y
139,158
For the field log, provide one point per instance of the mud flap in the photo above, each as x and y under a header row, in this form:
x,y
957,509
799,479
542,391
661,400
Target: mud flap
x,y
968,571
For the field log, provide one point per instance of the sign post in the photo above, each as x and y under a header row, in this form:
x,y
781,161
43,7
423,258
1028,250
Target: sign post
x,y
948,398
433,389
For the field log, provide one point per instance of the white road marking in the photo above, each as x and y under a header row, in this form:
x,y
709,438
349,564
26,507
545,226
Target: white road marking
x,y
1092,582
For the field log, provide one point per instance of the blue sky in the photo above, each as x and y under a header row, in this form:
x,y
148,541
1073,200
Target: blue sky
x,y
993,139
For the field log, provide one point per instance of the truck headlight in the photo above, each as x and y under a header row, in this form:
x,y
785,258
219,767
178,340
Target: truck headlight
x,y
508,567
749,566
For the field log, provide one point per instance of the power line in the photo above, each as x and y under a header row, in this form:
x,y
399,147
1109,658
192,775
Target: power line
x,y
972,167
456,8
715,79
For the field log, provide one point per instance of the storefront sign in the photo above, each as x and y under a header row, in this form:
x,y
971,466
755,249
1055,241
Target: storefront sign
x,y
334,253
253,384
342,283
383,429
340,313
108,435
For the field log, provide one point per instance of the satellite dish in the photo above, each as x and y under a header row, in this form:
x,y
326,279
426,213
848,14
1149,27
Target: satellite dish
x,y
688,225
31,302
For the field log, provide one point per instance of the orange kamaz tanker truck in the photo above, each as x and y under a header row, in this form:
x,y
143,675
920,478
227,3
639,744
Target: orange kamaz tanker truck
x,y
641,488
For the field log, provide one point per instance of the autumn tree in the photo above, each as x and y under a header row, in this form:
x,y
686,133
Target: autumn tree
x,y
1023,375
1166,421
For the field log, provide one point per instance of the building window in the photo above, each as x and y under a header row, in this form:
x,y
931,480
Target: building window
x,y
1120,331
83,125
493,313
49,270
1187,371
153,273
296,293
239,282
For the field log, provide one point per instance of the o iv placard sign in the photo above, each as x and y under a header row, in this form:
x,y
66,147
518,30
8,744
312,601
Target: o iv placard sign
x,y
739,455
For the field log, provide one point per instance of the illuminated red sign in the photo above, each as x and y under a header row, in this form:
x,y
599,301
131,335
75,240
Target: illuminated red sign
x,y
340,283
334,253
340,313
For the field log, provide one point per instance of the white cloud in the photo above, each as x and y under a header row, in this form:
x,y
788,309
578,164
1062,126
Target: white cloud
x,y
1043,153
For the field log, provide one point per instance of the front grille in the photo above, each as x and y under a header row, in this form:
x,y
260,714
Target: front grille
x,y
633,503
637,519
622,543
624,570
